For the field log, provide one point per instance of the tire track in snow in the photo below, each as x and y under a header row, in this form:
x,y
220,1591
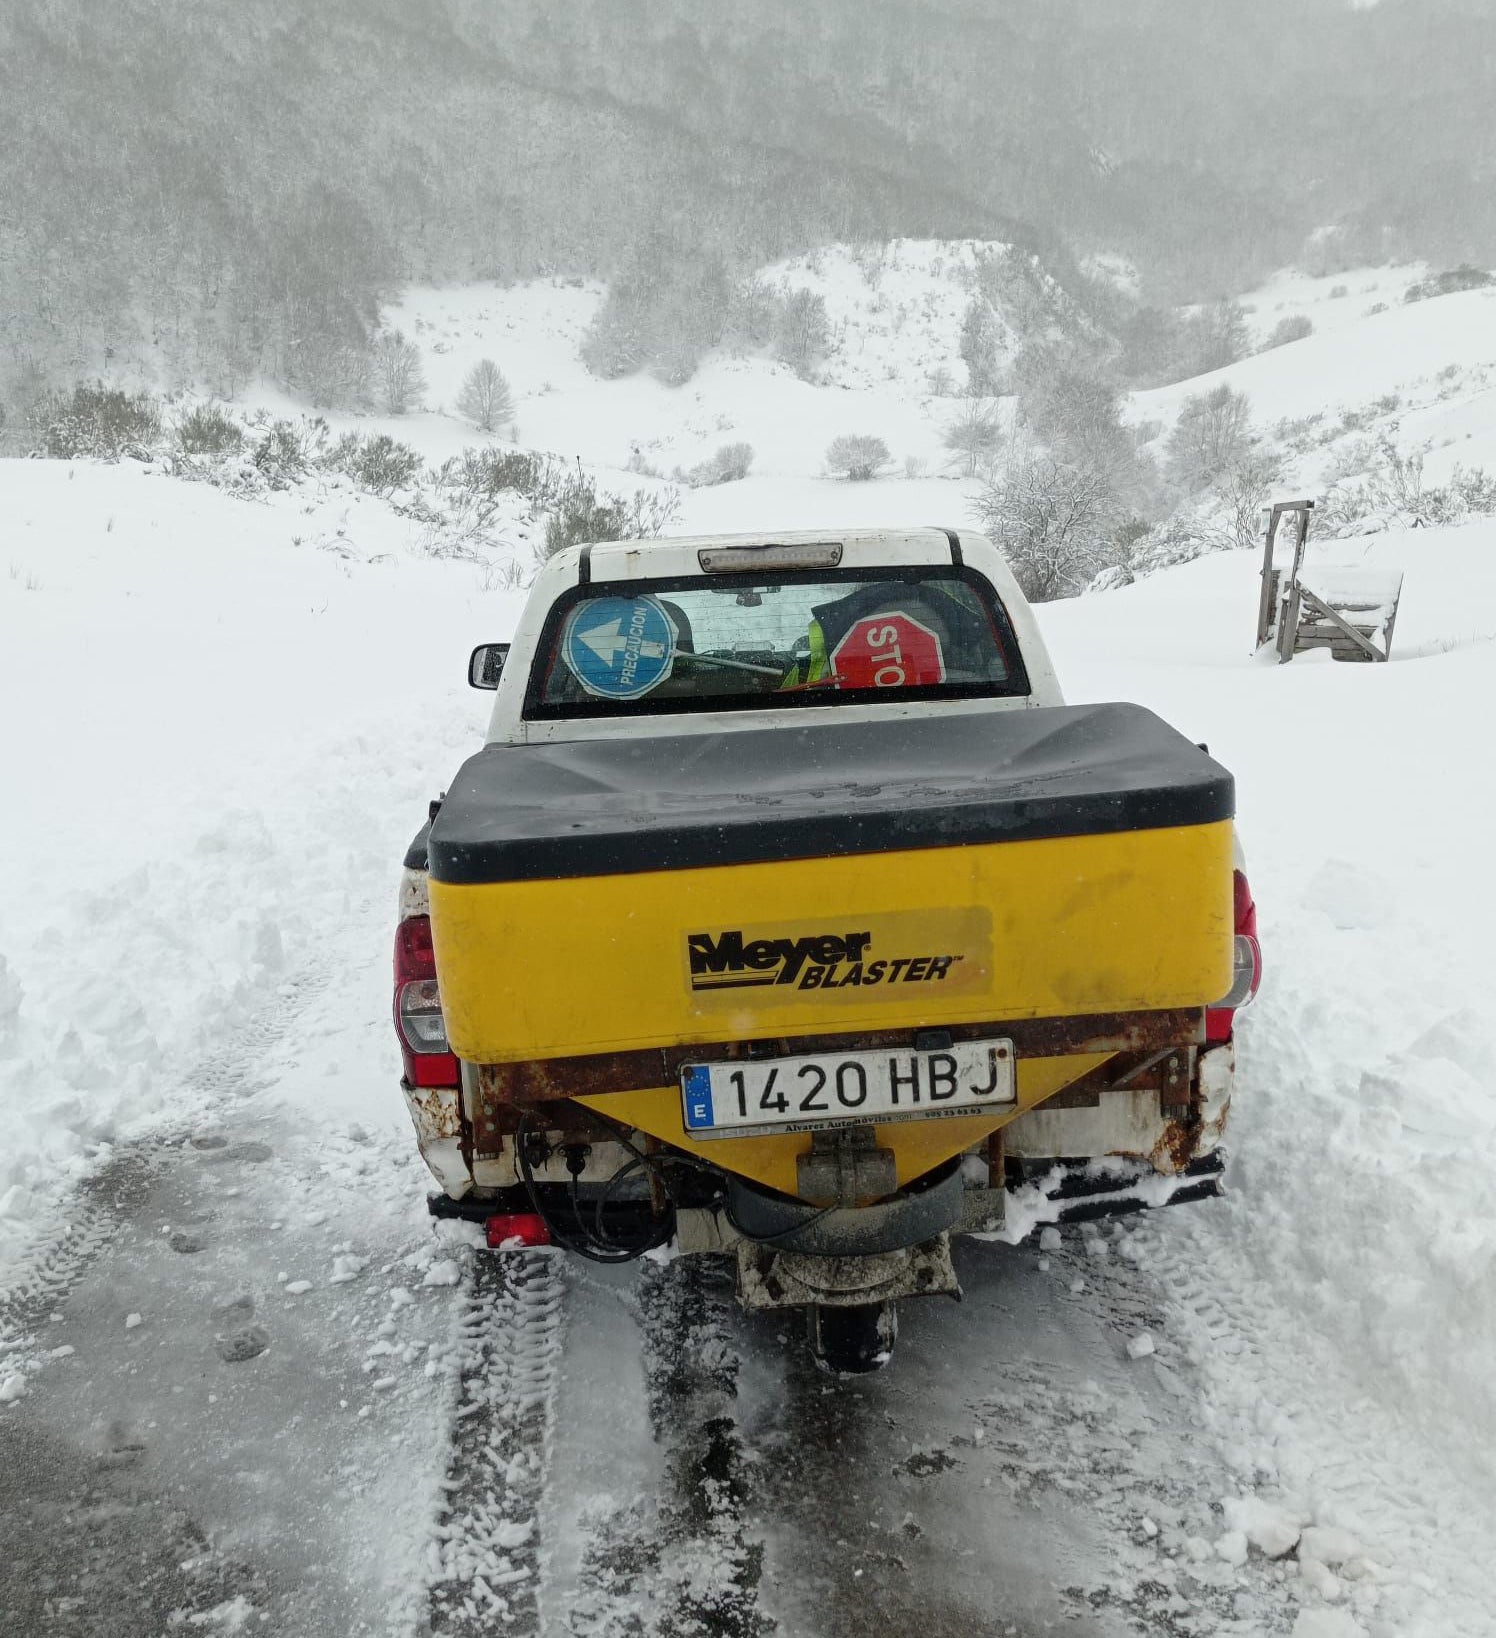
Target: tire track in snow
x,y
72,1232
649,1540
485,1555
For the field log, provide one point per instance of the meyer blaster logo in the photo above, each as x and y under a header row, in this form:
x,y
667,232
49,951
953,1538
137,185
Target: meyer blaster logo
x,y
816,961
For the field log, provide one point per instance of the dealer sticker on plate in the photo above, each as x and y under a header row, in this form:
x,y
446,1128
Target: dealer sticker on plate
x,y
847,1088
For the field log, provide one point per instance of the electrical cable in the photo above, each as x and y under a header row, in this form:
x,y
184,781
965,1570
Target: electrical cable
x,y
596,1247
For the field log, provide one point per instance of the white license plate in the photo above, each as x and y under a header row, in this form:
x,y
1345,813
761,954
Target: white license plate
x,y
846,1088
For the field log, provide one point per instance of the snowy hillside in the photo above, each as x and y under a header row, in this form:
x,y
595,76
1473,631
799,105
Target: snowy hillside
x,y
225,719
894,316
1419,371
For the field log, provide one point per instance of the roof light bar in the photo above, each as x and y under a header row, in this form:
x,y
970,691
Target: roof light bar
x,y
819,554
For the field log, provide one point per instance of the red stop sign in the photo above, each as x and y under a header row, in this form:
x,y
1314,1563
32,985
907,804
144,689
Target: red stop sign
x,y
888,651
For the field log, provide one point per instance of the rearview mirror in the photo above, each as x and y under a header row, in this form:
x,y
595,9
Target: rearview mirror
x,y
486,664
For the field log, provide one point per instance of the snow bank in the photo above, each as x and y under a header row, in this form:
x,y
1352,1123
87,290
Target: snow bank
x,y
233,716
1341,1302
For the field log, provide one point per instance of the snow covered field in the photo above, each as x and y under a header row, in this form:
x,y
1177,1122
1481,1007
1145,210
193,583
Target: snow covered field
x,y
223,721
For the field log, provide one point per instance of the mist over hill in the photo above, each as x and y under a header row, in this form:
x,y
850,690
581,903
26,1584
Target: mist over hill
x,y
234,190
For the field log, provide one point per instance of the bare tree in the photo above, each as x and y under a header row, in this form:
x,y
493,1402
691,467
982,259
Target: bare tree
x,y
974,435
398,373
858,457
804,331
979,348
485,396
1052,521
1213,434
1245,488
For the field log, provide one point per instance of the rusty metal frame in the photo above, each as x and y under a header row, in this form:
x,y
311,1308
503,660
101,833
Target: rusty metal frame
x,y
550,1079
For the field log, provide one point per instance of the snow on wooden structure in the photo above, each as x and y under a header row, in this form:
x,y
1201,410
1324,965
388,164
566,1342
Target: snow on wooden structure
x,y
1348,609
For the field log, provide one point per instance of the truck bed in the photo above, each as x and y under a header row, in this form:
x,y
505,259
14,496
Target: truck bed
x,y
931,871
673,802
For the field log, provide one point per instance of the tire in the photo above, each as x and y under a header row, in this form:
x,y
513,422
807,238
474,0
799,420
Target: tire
x,y
853,1341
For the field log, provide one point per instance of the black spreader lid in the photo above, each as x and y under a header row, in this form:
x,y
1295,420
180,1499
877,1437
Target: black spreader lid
x,y
654,801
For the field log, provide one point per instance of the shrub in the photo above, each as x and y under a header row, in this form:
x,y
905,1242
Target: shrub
x,y
207,430
493,471
1293,328
100,421
485,396
282,452
1450,282
858,457
375,461
729,464
577,513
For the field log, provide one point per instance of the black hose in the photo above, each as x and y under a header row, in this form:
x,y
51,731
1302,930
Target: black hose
x,y
597,1248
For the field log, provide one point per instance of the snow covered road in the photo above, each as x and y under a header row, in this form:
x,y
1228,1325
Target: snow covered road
x,y
197,1098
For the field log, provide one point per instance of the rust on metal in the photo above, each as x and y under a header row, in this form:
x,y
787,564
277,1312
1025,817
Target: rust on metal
x,y
550,1079
1177,1145
435,1111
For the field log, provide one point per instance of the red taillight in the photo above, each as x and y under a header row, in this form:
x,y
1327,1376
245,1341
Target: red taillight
x,y
429,1060
521,1227
1247,974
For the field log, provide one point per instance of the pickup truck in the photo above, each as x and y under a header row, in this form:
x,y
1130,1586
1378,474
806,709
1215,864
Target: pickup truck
x,y
789,914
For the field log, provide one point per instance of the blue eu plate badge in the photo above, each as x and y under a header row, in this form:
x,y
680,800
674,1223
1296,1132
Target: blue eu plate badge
x,y
698,1089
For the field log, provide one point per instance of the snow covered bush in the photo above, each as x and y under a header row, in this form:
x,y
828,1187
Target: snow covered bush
x,y
1293,328
729,464
1389,491
493,471
283,452
858,457
375,461
1449,283
482,486
485,396
577,513
102,422
208,430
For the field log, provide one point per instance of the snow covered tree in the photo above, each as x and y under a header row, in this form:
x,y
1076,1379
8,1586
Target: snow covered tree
x,y
485,396
804,332
979,348
1053,521
1212,435
858,457
973,436
398,373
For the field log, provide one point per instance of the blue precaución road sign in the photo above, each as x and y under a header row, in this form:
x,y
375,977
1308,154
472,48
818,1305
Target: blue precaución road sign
x,y
619,647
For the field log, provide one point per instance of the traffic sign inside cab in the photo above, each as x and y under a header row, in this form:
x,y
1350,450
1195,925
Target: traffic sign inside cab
x,y
619,648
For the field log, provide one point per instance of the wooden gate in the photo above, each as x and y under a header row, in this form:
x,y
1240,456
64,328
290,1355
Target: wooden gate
x,y
1349,610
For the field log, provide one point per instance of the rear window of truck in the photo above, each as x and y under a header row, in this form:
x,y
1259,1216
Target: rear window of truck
x,y
768,641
